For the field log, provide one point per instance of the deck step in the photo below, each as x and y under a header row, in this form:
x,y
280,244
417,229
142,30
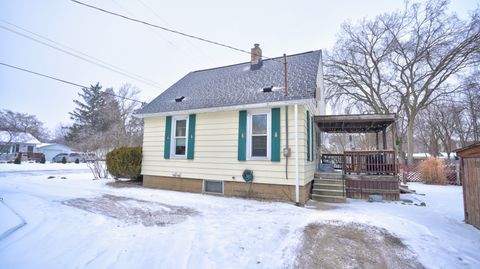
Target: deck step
x,y
329,198
324,175
338,193
327,186
328,181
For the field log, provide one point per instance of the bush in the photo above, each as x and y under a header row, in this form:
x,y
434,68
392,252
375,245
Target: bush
x,y
64,160
42,159
18,159
125,162
77,161
433,171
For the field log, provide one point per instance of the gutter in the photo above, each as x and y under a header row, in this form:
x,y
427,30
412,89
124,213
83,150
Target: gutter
x,y
225,108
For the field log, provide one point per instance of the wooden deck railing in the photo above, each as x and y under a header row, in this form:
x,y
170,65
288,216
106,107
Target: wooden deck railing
x,y
371,162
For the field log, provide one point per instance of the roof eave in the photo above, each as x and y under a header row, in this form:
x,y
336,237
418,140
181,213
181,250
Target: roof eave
x,y
226,108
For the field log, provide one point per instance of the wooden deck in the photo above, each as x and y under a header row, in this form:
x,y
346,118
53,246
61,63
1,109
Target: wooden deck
x,y
366,172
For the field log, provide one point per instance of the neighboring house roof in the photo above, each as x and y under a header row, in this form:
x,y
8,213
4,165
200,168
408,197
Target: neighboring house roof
x,y
17,137
237,85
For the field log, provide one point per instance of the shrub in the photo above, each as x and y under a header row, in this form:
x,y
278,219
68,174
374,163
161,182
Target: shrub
x,y
18,159
42,159
125,162
433,171
64,160
77,161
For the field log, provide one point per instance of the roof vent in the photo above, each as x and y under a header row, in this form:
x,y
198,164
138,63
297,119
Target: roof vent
x,y
179,99
268,89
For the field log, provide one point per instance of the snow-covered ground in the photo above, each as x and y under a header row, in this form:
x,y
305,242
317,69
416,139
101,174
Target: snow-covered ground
x,y
207,231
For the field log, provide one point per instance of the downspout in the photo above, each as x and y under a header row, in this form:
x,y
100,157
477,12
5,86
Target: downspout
x,y
297,180
286,150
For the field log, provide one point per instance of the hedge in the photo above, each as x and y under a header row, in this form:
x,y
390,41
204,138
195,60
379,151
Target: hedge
x,y
125,162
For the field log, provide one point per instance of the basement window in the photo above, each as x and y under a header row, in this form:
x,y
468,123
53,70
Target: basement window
x,y
213,186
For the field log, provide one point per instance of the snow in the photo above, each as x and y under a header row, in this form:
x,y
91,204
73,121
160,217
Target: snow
x,y
223,232
18,137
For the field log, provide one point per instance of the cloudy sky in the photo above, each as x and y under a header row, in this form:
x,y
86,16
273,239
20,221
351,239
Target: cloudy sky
x,y
148,58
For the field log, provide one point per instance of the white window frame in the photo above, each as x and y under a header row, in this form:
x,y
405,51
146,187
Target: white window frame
x,y
250,114
174,138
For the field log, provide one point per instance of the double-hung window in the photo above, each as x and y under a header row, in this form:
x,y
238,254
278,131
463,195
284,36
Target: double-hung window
x,y
179,136
258,140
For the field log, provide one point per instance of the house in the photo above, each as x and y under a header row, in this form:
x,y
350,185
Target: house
x,y
470,163
52,149
12,143
215,128
238,131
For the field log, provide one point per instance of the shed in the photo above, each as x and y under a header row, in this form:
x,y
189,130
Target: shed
x,y
470,166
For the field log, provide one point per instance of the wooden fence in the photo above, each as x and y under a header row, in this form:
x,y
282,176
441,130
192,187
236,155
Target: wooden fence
x,y
472,190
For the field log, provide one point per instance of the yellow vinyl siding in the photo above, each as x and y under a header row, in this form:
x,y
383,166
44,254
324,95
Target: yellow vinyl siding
x,y
216,143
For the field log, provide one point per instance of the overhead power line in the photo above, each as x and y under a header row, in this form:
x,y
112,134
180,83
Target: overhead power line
x,y
65,81
161,27
79,55
173,31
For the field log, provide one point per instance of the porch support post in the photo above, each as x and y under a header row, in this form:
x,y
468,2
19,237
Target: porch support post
x,y
378,144
384,136
297,179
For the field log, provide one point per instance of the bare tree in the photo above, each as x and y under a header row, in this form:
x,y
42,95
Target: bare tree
x,y
402,62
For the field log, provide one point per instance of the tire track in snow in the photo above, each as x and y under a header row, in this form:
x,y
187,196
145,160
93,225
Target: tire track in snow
x,y
15,228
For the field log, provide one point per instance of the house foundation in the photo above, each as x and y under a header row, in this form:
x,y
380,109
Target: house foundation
x,y
253,190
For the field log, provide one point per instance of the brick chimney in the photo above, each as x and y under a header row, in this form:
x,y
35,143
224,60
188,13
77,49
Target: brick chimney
x,y
256,53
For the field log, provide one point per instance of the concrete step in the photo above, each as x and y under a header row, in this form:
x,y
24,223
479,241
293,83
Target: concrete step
x,y
328,186
324,175
339,193
329,199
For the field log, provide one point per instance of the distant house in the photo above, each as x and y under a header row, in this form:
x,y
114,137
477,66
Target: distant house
x,y
13,142
52,149
211,128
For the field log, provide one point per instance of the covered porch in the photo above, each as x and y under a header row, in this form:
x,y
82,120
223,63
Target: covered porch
x,y
362,172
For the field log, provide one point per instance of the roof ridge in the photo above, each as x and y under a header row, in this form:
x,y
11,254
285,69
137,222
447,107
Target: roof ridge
x,y
267,59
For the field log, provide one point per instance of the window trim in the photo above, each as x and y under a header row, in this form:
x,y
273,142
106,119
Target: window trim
x,y
250,115
217,193
174,137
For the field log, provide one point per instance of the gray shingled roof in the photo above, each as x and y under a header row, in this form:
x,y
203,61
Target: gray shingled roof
x,y
238,85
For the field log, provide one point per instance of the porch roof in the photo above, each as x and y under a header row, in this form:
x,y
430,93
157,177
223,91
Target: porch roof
x,y
356,123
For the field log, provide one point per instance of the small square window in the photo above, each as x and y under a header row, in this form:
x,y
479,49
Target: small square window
x,y
213,186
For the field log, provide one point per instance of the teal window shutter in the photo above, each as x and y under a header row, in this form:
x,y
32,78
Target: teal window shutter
x,y
242,135
312,137
275,140
168,134
191,136
308,136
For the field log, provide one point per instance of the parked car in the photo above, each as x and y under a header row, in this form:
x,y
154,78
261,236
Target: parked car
x,y
69,157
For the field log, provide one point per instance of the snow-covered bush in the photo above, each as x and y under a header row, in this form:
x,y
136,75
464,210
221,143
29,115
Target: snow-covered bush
x,y
42,159
125,162
433,171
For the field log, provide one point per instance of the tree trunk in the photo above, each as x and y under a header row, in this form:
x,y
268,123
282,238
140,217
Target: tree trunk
x,y
410,127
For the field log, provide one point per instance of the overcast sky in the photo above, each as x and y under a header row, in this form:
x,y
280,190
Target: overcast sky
x,y
161,57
